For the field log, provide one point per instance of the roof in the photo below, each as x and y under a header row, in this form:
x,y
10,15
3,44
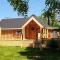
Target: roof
x,y
12,23
41,21
18,22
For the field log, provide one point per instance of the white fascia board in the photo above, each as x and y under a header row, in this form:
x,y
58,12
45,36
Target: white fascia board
x,y
32,18
9,28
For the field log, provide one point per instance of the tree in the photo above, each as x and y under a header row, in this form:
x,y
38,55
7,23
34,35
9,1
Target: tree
x,y
53,4
53,7
21,6
47,14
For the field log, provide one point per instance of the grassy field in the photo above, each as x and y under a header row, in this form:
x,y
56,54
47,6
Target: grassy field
x,y
18,53
11,53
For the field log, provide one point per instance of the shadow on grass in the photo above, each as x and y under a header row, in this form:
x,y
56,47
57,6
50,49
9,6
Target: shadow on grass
x,y
40,54
37,54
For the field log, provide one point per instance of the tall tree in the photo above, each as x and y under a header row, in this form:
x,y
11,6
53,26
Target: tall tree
x,y
53,7
47,14
21,6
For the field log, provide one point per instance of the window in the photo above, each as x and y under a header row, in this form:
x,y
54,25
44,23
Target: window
x,y
18,32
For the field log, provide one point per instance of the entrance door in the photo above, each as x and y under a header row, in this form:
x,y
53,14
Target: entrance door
x,y
33,33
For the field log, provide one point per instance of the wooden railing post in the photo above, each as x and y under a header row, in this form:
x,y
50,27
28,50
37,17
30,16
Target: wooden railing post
x,y
0,33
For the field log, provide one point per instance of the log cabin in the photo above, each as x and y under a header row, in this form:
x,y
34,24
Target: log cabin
x,y
23,29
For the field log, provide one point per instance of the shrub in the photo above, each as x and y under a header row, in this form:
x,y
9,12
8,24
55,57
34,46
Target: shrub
x,y
52,44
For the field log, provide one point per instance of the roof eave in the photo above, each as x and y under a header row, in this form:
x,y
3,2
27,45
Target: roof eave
x,y
10,28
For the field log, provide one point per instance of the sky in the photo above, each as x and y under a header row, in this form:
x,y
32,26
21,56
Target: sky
x,y
35,7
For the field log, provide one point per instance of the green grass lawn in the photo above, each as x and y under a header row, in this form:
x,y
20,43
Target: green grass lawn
x,y
11,53
18,53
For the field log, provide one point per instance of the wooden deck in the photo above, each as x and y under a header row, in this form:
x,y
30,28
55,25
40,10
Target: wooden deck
x,y
22,43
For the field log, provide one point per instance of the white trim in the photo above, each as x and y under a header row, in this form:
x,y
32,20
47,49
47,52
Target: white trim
x,y
32,18
9,28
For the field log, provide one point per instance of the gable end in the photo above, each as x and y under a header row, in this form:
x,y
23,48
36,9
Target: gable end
x,y
32,18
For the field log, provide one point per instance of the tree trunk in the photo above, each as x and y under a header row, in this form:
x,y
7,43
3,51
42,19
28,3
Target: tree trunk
x,y
52,22
48,21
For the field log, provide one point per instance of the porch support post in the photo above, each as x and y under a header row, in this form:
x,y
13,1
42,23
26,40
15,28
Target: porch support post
x,y
44,33
47,33
0,33
12,34
41,33
5,35
23,33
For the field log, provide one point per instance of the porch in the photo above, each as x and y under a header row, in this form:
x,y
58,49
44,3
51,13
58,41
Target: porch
x,y
11,34
19,34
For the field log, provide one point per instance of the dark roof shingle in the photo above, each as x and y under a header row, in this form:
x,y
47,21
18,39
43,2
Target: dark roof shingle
x,y
18,22
12,23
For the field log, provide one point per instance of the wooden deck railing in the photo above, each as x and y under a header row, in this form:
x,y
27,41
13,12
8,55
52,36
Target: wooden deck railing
x,y
6,37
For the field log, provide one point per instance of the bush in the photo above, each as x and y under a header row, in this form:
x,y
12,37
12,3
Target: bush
x,y
52,44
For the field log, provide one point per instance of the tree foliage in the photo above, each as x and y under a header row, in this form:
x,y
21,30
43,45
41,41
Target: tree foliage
x,y
21,6
48,15
53,4
52,7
